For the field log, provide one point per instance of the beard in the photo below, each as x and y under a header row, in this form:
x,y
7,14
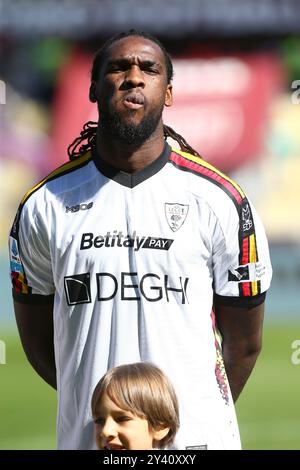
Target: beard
x,y
128,132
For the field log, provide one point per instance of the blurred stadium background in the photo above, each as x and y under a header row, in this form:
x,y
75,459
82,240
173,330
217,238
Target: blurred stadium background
x,y
237,100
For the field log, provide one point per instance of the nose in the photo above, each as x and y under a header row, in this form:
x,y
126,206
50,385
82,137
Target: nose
x,y
134,77
109,428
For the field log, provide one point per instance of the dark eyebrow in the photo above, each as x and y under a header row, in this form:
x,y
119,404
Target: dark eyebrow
x,y
149,63
126,62
118,62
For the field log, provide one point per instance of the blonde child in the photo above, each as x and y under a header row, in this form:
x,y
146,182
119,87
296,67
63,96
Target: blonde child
x,y
135,407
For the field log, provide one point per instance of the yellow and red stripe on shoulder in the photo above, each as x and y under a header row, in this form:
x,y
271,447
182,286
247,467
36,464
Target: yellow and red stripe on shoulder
x,y
247,241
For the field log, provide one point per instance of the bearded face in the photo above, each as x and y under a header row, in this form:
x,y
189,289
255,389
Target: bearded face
x,y
132,90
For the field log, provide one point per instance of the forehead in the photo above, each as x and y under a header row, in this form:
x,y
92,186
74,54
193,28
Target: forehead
x,y
105,403
135,47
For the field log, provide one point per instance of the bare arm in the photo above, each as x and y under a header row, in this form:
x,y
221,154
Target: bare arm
x,y
35,325
241,330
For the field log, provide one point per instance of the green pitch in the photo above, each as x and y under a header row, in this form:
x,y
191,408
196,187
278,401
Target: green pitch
x,y
268,410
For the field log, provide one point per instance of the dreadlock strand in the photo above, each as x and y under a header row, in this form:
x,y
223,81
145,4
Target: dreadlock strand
x,y
185,147
89,133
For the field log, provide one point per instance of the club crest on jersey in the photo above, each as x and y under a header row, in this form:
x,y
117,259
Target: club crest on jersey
x,y
176,215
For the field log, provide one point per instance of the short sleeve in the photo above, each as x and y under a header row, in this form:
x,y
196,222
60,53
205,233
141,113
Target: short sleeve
x,y
241,261
30,258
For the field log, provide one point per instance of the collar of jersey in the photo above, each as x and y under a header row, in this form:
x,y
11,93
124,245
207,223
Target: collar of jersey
x,y
131,179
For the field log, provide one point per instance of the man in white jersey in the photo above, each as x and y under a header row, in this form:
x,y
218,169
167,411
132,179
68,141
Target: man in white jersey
x,y
134,251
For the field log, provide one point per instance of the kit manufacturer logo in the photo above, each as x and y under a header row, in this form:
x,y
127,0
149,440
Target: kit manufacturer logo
x,y
247,218
79,207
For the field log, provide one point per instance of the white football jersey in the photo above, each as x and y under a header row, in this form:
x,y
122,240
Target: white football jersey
x,y
135,263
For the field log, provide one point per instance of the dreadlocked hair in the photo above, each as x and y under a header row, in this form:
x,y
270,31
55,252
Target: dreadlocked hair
x,y
185,147
89,134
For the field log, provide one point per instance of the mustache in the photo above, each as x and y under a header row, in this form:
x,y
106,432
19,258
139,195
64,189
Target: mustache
x,y
134,97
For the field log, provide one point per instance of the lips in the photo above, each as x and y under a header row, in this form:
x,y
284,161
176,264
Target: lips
x,y
114,447
134,100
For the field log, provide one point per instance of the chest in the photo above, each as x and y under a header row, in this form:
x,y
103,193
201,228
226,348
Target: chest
x,y
154,223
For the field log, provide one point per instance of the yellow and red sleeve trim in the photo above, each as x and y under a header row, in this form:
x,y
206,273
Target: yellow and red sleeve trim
x,y
247,240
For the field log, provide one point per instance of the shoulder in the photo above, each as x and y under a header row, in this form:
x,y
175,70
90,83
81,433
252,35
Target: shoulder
x,y
207,181
64,178
60,178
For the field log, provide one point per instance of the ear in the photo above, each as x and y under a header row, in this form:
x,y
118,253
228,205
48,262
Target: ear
x,y
160,432
169,95
93,93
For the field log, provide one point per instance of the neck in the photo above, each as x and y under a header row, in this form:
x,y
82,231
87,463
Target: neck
x,y
130,157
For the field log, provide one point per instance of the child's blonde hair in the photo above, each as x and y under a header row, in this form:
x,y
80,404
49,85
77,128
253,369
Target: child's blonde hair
x,y
143,389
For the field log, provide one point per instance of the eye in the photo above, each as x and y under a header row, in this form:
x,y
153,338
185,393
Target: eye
x,y
99,421
123,418
150,70
116,67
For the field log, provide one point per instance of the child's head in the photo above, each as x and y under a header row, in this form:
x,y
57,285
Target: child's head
x,y
135,407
